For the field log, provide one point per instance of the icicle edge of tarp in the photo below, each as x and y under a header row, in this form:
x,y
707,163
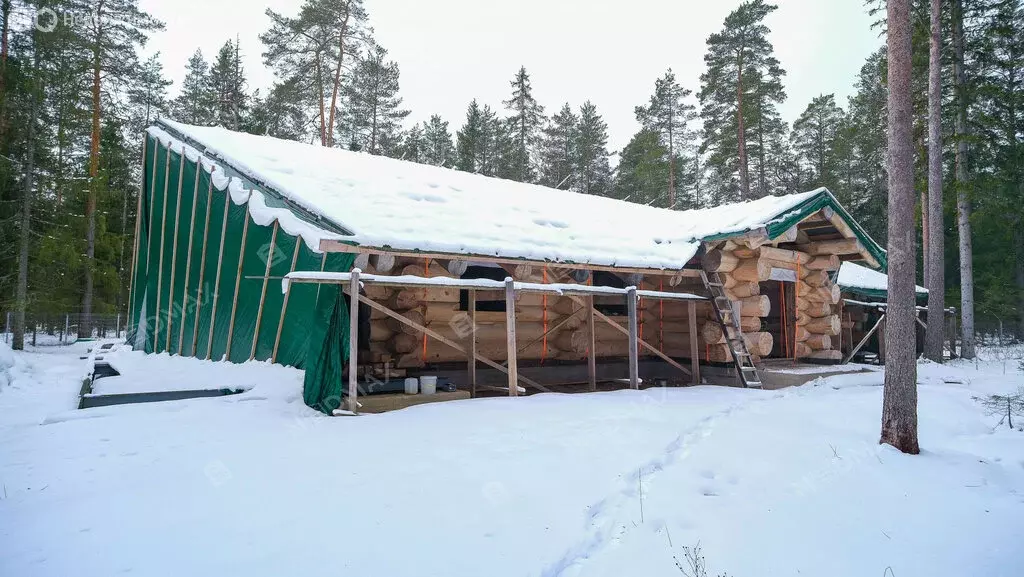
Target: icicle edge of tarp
x,y
261,213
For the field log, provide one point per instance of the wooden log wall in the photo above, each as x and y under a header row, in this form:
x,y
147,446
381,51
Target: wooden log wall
x,y
817,334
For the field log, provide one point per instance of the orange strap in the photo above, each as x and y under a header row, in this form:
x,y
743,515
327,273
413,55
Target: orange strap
x,y
426,273
783,321
661,317
544,316
796,303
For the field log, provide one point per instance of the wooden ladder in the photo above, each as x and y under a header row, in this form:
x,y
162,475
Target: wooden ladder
x,y
729,319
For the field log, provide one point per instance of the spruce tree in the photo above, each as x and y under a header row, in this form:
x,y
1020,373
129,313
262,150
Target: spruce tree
x,y
558,150
196,101
593,166
413,147
281,114
228,86
668,116
437,142
481,142
643,171
739,92
148,95
525,124
374,113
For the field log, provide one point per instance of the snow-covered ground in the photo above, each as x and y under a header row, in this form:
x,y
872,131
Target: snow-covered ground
x,y
788,482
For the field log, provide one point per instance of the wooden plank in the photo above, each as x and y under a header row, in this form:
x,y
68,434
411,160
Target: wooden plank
x,y
202,265
625,331
174,252
472,344
634,354
160,262
510,334
138,226
238,282
284,305
434,334
353,342
591,345
694,352
864,340
331,245
220,263
263,293
188,261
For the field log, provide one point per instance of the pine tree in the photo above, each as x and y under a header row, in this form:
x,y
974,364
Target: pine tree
x,y
814,140
310,51
374,115
196,101
148,95
593,166
899,408
525,124
558,150
739,90
438,147
667,115
228,85
935,269
112,36
281,114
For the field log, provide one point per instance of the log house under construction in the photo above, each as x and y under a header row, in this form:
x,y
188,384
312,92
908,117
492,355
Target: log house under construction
x,y
459,270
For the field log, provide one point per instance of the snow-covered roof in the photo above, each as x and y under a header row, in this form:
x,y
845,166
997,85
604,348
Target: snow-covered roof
x,y
392,204
855,276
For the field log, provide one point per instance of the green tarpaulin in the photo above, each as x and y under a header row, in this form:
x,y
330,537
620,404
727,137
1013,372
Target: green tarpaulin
x,y
201,274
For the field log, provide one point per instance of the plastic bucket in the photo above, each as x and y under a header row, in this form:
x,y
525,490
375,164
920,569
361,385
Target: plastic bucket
x,y
412,386
428,385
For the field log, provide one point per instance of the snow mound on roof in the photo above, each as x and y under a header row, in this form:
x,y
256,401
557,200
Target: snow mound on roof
x,y
389,203
856,276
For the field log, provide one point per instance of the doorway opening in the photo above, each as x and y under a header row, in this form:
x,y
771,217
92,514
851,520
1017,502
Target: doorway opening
x,y
781,319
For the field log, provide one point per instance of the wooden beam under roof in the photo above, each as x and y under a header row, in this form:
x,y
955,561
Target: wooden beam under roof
x,y
331,245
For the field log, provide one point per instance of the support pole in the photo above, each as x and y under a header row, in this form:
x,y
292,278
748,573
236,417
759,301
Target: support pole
x,y
510,331
865,339
238,282
160,260
472,344
634,353
263,293
591,346
188,257
353,342
174,252
220,263
138,224
691,313
202,265
881,340
284,305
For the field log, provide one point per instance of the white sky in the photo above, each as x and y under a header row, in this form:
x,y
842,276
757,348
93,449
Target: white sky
x,y
451,51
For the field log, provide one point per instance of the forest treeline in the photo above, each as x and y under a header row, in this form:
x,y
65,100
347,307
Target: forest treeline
x,y
76,95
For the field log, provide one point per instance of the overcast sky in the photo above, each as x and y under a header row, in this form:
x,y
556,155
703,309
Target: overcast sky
x,y
451,51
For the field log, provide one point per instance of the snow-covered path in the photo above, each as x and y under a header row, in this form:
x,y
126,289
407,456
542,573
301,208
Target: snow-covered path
x,y
771,483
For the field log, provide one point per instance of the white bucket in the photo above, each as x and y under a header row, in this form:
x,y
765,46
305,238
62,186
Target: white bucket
x,y
412,386
428,385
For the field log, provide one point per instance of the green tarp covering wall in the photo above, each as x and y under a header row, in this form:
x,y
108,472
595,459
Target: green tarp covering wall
x,y
199,281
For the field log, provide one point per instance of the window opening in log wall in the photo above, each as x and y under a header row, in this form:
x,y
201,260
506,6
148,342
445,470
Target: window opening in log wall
x,y
486,301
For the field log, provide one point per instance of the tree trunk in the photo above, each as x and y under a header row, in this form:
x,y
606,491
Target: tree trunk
x,y
936,281
320,98
963,201
899,407
337,78
21,293
85,321
741,137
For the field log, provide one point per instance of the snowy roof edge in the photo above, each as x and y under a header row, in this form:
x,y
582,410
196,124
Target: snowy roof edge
x,y
332,230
